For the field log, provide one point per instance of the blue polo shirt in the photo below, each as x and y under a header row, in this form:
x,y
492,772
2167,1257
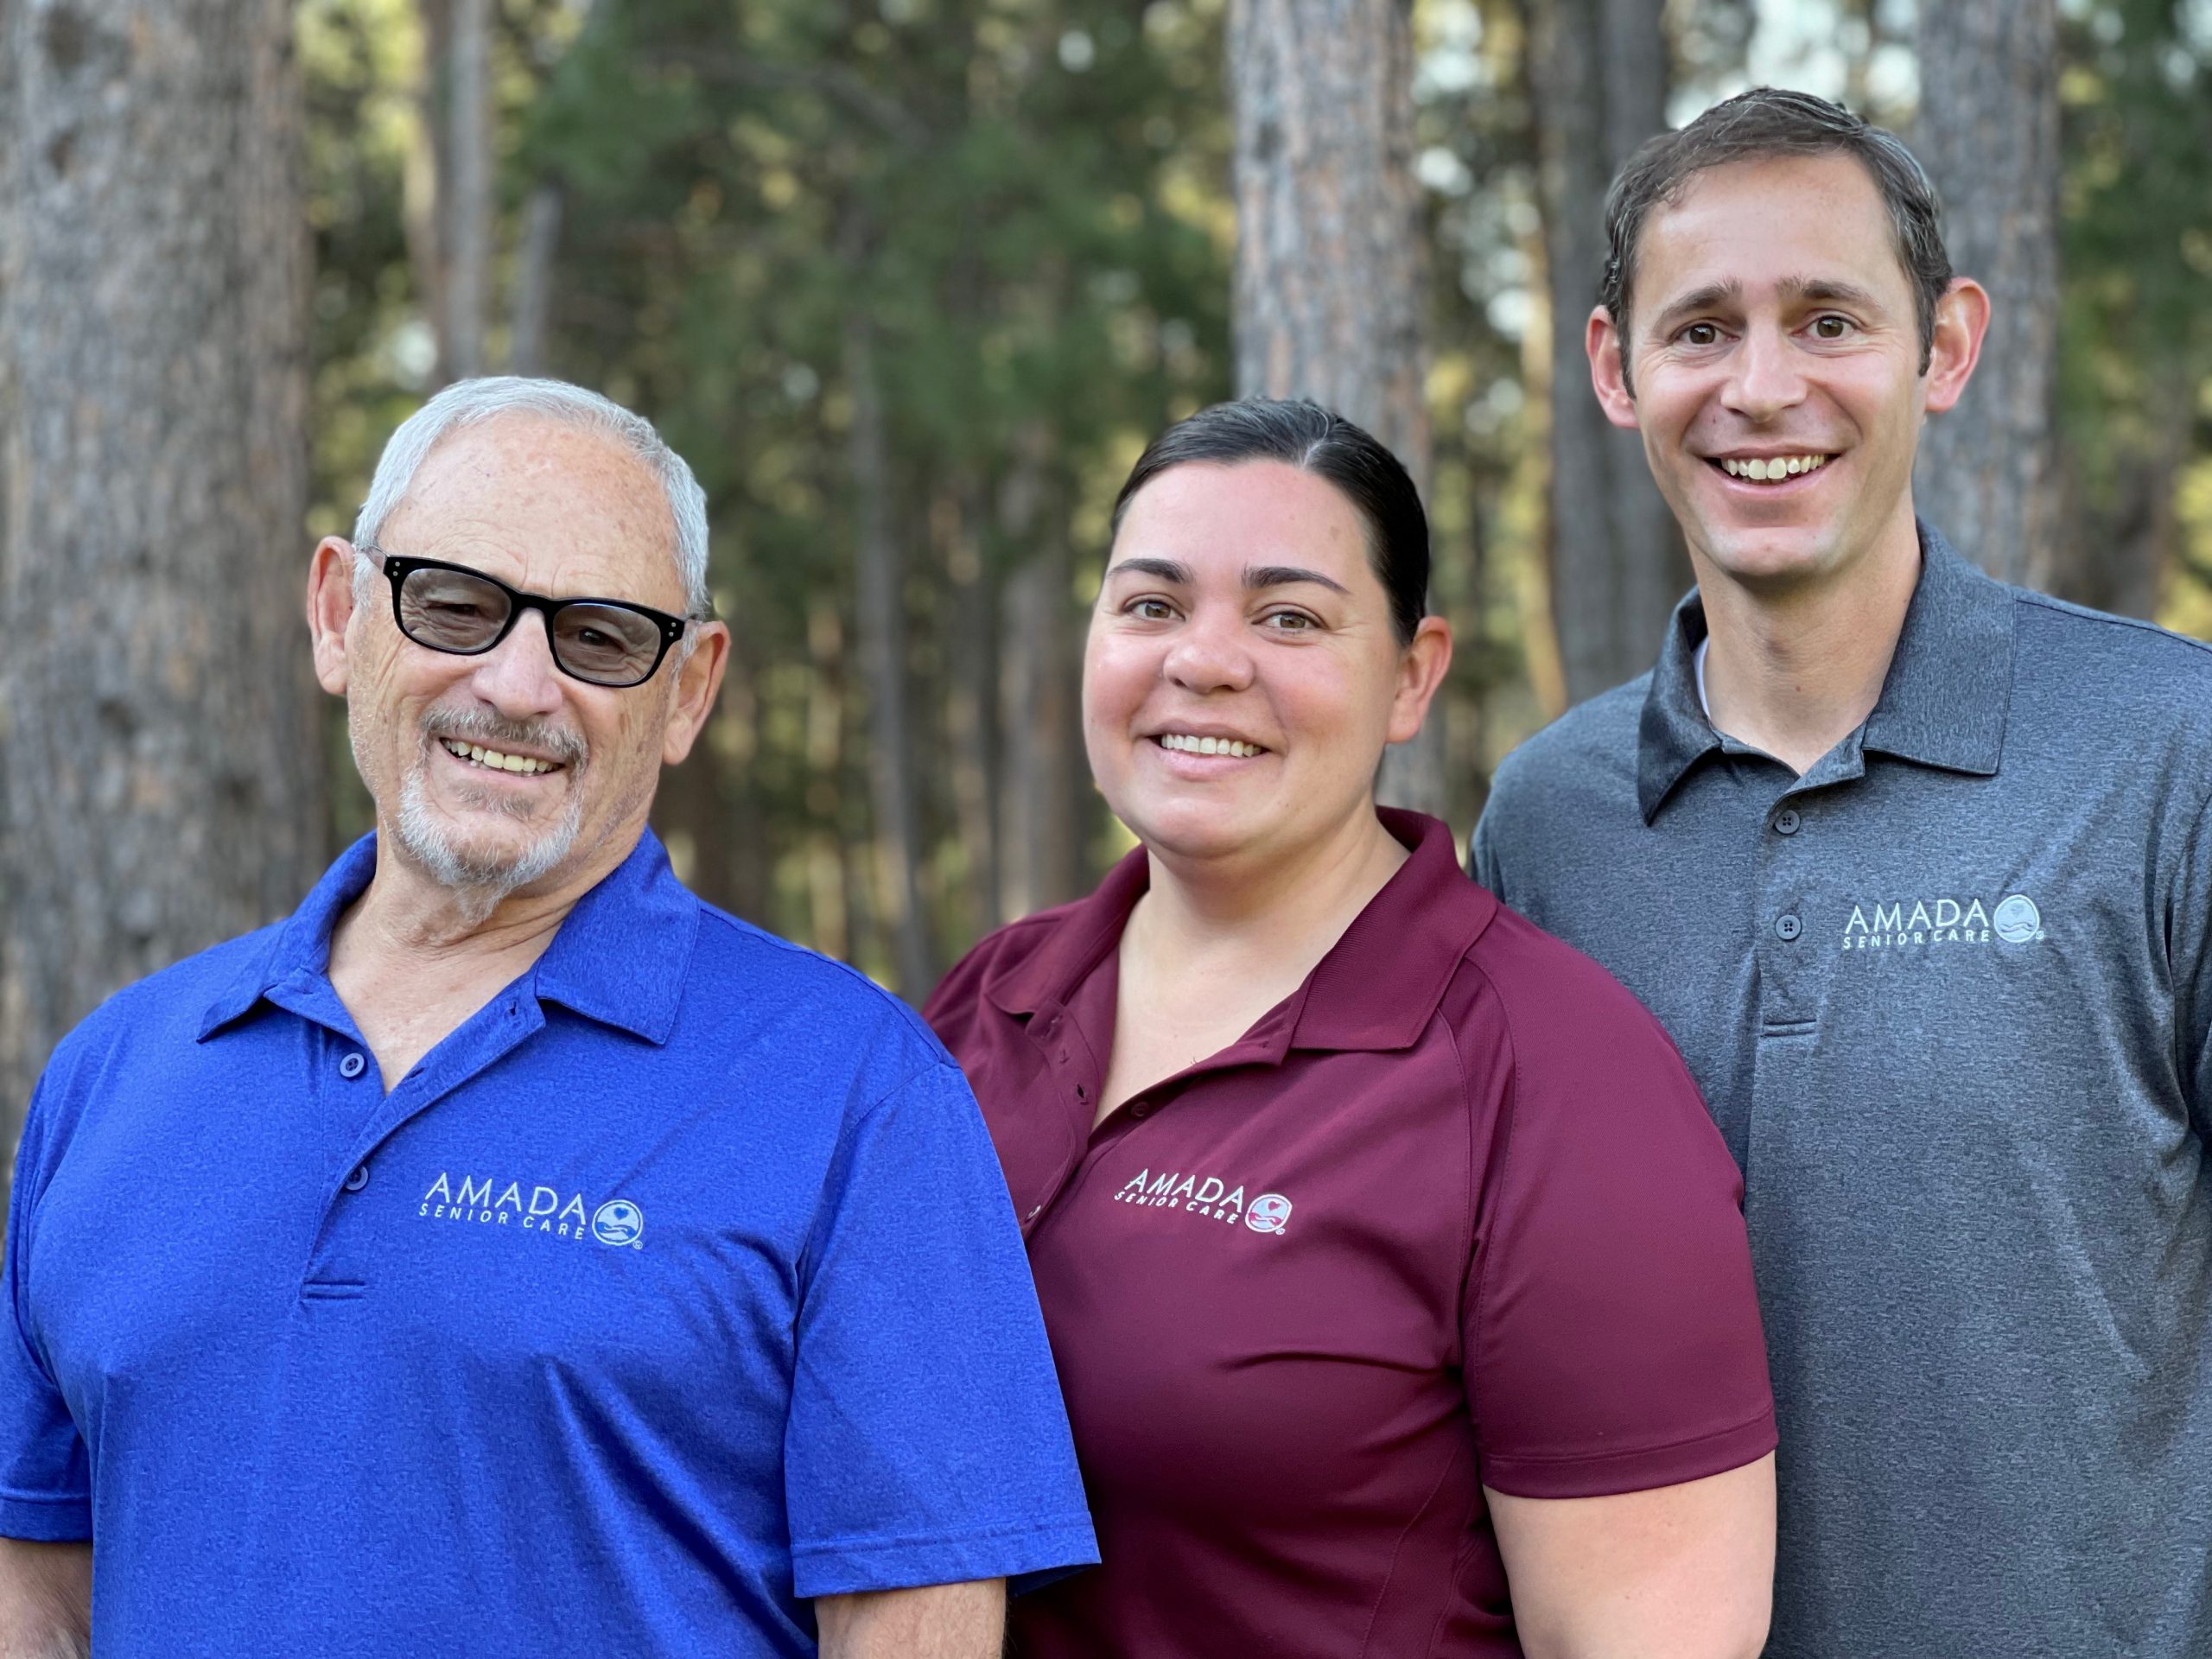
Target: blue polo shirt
x,y
675,1287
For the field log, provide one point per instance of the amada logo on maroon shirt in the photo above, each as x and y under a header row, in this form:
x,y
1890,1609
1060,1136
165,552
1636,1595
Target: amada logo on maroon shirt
x,y
1212,1198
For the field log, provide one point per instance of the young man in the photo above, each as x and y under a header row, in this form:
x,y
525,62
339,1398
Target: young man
x,y
1917,869
508,1249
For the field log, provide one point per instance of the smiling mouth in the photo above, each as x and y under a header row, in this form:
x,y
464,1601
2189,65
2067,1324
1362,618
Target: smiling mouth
x,y
476,754
1769,469
1184,743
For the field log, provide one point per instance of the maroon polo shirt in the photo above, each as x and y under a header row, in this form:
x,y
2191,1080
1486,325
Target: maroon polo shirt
x,y
1450,1214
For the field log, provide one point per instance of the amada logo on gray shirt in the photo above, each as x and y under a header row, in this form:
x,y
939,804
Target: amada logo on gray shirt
x,y
1905,924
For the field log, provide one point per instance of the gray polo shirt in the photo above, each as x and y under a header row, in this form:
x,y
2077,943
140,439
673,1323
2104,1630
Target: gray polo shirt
x,y
1949,997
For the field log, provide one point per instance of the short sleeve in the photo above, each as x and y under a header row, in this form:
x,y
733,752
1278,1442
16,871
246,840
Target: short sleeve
x,y
926,1443
45,1476
1612,1334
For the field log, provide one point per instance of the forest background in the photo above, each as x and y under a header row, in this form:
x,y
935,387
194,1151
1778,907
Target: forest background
x,y
910,283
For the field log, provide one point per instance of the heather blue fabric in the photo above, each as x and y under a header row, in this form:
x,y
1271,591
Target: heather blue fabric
x,y
1949,998
675,1287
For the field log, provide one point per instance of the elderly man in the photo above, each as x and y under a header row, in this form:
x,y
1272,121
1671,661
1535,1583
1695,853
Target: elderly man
x,y
509,1252
1917,869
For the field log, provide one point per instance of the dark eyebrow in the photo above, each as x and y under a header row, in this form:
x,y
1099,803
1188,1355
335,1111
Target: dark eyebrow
x,y
1701,299
1823,288
1282,576
1165,569
1256,575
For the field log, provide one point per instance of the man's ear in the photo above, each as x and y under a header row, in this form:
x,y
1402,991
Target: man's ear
x,y
1961,320
1608,375
330,609
698,684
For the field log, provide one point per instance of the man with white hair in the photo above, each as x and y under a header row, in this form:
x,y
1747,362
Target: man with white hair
x,y
508,1248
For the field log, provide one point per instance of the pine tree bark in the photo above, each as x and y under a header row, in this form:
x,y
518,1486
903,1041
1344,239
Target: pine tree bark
x,y
1041,771
970,686
1987,132
880,592
465,193
1599,71
540,244
1331,290
161,742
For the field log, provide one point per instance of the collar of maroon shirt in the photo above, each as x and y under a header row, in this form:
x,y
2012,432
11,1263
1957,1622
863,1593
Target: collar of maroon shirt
x,y
1376,989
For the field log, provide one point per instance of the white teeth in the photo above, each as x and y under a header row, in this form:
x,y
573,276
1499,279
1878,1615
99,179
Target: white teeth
x,y
1189,745
493,758
1763,470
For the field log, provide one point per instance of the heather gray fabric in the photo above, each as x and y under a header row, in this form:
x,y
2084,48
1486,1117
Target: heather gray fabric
x,y
1949,997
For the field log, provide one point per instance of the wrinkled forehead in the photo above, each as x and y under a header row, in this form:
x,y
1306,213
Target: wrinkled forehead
x,y
1770,227
543,505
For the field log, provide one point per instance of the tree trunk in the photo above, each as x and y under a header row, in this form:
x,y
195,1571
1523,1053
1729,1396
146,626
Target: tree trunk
x,y
747,854
1040,855
1332,282
465,193
830,911
161,747
879,594
533,290
1599,71
971,701
2120,540
1988,134
424,184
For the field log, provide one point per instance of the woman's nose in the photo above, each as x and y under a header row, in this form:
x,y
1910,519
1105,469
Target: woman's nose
x,y
1210,653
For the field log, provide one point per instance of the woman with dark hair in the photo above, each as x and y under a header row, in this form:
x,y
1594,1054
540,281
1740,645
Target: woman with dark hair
x,y
1397,1277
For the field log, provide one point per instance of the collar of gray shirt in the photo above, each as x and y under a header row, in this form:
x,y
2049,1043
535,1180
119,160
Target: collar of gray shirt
x,y
1942,703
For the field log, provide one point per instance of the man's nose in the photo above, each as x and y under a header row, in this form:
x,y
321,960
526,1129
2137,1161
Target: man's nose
x,y
1766,379
517,676
1210,653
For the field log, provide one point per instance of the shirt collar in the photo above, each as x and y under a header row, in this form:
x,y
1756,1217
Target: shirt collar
x,y
1085,931
1376,988
1943,703
619,957
297,954
622,955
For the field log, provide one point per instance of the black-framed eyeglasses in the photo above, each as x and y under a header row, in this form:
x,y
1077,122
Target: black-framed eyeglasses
x,y
451,608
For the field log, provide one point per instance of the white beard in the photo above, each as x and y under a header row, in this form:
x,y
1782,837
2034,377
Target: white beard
x,y
479,882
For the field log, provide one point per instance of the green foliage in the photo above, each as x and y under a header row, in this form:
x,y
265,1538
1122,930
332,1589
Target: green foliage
x,y
1021,200
1024,205
2135,336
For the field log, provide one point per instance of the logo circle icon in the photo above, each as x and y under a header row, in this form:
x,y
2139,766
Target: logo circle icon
x,y
2017,920
619,1221
1269,1213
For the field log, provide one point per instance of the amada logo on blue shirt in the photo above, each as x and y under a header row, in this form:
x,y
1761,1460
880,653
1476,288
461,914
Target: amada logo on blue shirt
x,y
542,1212
619,1221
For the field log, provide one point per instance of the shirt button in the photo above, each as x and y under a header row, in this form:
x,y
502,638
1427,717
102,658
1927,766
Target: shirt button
x,y
1787,928
1032,1215
352,1067
1786,822
1142,1108
358,1179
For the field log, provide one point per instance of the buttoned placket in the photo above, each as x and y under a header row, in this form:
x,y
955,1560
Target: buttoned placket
x,y
1779,891
336,1267
1076,1075
1079,1076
